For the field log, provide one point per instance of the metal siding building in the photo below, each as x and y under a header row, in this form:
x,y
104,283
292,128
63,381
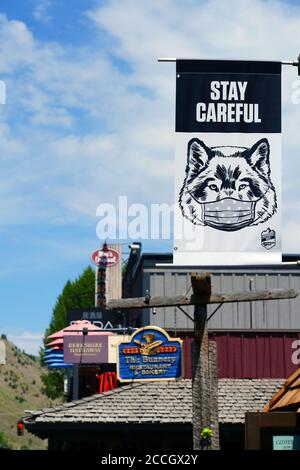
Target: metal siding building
x,y
277,314
256,354
254,339
260,315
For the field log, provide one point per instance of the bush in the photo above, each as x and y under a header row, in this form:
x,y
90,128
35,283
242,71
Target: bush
x,y
25,447
3,441
53,383
19,399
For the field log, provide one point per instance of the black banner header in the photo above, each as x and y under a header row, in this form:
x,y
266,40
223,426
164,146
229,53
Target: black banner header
x,y
228,96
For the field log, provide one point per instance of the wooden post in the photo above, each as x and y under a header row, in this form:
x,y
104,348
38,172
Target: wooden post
x,y
213,379
201,388
202,396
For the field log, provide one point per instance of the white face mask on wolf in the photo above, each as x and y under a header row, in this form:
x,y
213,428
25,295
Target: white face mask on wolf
x,y
228,188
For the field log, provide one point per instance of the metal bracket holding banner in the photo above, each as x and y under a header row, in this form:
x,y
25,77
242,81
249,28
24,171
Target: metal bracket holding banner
x,y
295,63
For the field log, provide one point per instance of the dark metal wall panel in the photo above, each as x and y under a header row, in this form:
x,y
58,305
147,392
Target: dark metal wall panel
x,y
257,355
283,306
145,287
181,285
294,281
251,355
187,357
157,283
135,285
170,284
272,309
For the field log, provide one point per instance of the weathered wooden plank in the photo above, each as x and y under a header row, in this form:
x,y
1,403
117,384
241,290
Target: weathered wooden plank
x,y
201,380
215,298
205,384
201,284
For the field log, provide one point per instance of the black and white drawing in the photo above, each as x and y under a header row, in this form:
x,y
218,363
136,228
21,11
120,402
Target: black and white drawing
x,y
228,187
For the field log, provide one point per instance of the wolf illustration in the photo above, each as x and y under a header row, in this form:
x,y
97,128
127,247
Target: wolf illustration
x,y
228,188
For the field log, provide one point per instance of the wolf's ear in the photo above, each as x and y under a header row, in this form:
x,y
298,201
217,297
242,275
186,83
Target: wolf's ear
x,y
198,154
258,156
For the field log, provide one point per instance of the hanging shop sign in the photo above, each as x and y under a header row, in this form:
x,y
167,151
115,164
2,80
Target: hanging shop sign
x,y
286,442
228,163
107,258
105,319
149,355
85,349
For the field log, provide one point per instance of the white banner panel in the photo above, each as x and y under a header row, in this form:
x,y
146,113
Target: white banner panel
x,y
228,163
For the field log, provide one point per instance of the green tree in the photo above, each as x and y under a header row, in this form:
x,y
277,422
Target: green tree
x,y
79,293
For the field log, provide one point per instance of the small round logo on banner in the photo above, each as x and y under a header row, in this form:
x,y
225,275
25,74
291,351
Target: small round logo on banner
x,y
107,258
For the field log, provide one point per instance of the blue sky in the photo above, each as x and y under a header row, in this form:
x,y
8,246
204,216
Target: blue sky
x,y
90,116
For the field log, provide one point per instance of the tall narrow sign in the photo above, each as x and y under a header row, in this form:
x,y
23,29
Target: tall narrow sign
x,y
228,163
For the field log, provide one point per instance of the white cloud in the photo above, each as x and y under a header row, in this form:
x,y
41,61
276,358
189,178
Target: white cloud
x,y
41,11
27,341
290,236
79,130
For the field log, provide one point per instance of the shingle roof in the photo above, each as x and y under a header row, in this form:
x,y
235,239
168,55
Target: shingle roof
x,y
237,396
160,402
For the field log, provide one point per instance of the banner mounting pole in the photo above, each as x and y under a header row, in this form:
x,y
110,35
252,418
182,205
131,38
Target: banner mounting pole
x,y
295,63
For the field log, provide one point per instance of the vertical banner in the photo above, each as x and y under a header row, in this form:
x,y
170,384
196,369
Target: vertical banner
x,y
228,163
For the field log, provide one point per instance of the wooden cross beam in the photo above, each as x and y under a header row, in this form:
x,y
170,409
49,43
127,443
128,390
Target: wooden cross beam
x,y
200,298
